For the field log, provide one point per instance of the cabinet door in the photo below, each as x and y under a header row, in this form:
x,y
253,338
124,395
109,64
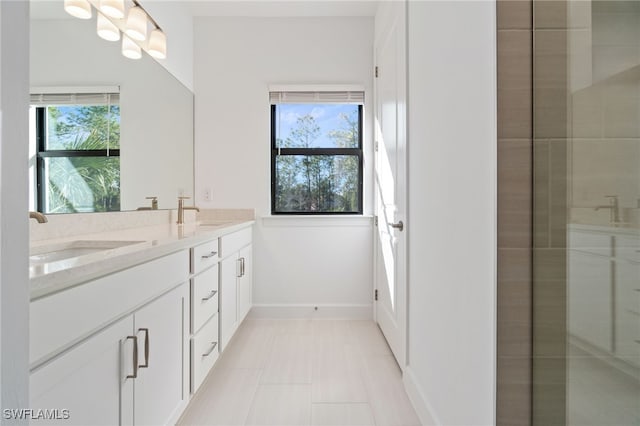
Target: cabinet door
x,y
245,283
590,291
159,393
89,380
627,309
229,271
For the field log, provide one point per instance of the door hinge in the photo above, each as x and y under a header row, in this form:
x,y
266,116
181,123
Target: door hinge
x,y
375,294
375,220
376,71
375,146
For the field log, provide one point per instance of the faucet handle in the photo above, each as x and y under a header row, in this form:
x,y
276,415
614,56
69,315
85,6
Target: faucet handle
x,y
154,202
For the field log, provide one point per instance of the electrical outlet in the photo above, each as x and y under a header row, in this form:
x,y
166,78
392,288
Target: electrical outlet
x,y
206,194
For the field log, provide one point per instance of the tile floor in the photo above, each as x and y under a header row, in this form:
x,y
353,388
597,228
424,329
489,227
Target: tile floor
x,y
600,394
304,372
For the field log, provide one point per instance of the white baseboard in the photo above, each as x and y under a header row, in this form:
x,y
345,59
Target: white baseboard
x,y
310,311
419,399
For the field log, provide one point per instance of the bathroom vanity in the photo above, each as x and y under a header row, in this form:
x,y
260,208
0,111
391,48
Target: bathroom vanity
x,y
604,288
126,330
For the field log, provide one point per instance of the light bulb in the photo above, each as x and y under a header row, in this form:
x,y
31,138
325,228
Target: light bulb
x,y
130,49
78,8
157,44
107,29
112,8
136,26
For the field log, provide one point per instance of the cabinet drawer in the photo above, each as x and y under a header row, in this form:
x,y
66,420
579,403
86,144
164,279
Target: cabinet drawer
x,y
204,352
231,243
204,256
204,297
590,242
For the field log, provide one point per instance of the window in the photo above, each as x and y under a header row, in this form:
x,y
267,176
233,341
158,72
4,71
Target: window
x,y
316,152
76,152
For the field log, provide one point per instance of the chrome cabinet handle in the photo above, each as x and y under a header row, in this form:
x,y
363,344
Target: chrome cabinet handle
x,y
242,266
399,225
135,357
238,268
210,255
210,350
146,347
213,293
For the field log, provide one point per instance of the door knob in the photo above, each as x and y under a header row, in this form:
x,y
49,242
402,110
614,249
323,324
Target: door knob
x,y
398,225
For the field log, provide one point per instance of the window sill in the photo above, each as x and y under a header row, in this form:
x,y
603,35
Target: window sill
x,y
317,221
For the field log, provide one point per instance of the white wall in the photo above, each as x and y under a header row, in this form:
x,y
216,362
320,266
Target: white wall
x,y
177,23
303,261
14,231
156,125
452,210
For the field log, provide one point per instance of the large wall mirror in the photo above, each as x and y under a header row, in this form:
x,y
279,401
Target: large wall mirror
x,y
132,117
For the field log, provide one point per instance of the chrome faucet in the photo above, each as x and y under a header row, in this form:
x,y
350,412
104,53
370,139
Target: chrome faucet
x,y
614,209
182,208
38,216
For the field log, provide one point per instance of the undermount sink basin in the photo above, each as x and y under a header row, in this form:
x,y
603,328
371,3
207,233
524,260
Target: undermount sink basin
x,y
62,251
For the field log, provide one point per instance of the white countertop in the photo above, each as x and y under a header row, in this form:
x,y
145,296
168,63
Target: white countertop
x,y
620,230
151,242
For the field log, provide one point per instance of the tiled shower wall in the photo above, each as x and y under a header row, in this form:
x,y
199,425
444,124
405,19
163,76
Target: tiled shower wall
x,y
533,133
514,21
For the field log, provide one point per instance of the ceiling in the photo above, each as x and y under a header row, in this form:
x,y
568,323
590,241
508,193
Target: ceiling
x,y
50,9
282,8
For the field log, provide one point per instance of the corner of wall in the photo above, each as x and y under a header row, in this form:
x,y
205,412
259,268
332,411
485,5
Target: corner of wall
x,y
419,400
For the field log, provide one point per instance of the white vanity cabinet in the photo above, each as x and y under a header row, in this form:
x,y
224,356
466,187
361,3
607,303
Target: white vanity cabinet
x,y
114,350
159,395
245,282
204,311
88,380
235,282
604,290
590,306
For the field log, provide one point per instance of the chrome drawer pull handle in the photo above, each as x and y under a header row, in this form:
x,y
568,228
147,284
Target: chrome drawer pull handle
x,y
210,350
146,347
135,357
210,255
213,293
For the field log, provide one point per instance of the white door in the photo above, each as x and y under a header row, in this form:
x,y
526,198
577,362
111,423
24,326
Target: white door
x,y
390,185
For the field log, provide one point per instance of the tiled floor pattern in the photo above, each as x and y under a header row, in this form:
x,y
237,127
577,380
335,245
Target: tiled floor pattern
x,y
304,372
600,394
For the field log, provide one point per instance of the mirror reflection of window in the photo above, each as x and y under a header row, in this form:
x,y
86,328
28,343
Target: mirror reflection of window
x,y
75,152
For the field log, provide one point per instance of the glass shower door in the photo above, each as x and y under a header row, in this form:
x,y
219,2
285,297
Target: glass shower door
x,y
586,257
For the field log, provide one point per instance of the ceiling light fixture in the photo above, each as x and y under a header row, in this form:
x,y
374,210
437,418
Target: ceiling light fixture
x,y
111,22
78,8
107,29
130,48
112,8
157,44
136,26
